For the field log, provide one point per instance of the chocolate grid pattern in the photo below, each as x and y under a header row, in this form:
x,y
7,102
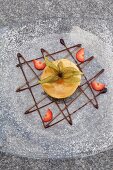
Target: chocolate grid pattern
x,y
67,117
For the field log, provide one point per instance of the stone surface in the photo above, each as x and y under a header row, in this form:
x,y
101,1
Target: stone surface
x,y
27,20
101,161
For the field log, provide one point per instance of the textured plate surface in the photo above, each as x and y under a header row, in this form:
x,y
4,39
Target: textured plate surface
x,y
92,129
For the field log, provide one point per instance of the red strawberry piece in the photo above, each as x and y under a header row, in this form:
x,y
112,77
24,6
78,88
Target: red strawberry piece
x,y
39,65
80,55
48,116
97,86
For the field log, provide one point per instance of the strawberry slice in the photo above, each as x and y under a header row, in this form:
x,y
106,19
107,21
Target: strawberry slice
x,y
80,55
48,116
39,65
97,86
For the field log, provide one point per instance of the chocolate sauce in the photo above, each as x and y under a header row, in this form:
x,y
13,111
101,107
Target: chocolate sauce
x,y
68,120
95,105
35,107
78,45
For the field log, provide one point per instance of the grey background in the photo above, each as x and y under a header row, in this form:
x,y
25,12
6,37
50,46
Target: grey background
x,y
36,18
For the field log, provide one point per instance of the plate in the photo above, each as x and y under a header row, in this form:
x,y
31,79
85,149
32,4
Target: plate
x,y
92,129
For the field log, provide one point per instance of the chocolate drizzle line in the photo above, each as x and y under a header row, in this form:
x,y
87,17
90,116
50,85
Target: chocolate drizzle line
x,y
93,78
22,89
95,105
36,107
70,120
78,45
77,109
20,56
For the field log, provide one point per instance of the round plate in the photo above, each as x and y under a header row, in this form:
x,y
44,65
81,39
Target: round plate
x,y
92,129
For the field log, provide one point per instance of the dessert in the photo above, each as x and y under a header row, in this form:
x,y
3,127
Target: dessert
x,y
60,79
65,81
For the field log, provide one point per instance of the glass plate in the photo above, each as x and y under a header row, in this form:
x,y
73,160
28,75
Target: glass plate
x,y
92,129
